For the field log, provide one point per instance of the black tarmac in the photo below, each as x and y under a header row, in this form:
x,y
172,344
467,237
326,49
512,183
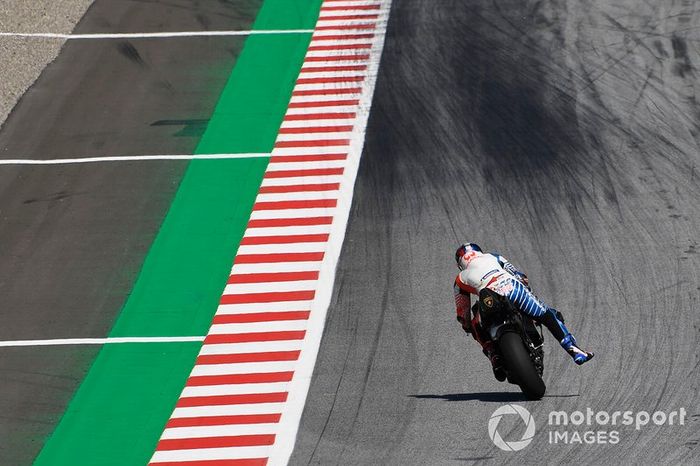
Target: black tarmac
x,y
564,135
73,237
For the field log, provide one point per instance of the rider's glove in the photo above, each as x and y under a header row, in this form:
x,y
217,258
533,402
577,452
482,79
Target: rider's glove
x,y
466,326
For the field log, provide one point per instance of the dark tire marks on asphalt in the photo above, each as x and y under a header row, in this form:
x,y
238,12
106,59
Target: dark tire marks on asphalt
x,y
73,237
565,136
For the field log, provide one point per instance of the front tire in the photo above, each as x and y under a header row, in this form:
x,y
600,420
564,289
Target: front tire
x,y
520,367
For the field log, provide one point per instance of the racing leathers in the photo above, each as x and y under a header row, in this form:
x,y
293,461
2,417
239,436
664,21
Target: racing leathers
x,y
493,271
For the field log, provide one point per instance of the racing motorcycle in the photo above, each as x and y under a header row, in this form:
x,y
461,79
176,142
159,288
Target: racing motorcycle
x,y
517,338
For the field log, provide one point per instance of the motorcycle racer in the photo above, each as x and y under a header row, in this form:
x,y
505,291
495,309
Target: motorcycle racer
x,y
479,270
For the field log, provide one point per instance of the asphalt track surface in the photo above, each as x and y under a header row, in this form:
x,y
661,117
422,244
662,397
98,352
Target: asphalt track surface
x,y
73,237
565,136
23,59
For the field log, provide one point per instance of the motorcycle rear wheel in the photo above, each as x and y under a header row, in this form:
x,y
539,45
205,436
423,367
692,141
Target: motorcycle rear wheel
x,y
520,366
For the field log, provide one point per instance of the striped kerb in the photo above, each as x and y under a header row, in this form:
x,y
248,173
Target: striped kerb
x,y
235,402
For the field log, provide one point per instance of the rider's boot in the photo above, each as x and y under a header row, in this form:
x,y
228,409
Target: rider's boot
x,y
579,356
496,364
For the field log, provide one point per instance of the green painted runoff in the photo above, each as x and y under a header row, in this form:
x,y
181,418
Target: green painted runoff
x,y
120,409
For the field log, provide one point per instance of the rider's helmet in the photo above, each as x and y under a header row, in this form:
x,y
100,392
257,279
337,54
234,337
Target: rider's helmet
x,y
465,250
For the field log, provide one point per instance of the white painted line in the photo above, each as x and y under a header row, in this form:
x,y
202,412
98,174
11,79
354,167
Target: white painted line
x,y
315,165
287,158
319,108
272,248
252,347
357,45
339,57
219,431
333,23
292,213
330,36
346,16
202,454
317,123
235,389
296,180
253,327
329,86
228,410
153,35
344,42
298,196
317,150
226,309
280,231
129,158
305,266
335,53
98,341
243,368
351,4
266,287
315,136
321,98
311,72
298,113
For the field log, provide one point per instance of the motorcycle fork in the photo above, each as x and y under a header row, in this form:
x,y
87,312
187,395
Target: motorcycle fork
x,y
536,352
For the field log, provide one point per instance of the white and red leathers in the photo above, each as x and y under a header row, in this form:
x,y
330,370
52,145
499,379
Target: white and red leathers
x,y
485,270
482,270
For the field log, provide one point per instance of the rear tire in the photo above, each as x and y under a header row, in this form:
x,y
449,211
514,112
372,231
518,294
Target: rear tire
x,y
520,367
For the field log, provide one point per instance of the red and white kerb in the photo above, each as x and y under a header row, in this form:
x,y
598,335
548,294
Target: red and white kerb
x,y
243,400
